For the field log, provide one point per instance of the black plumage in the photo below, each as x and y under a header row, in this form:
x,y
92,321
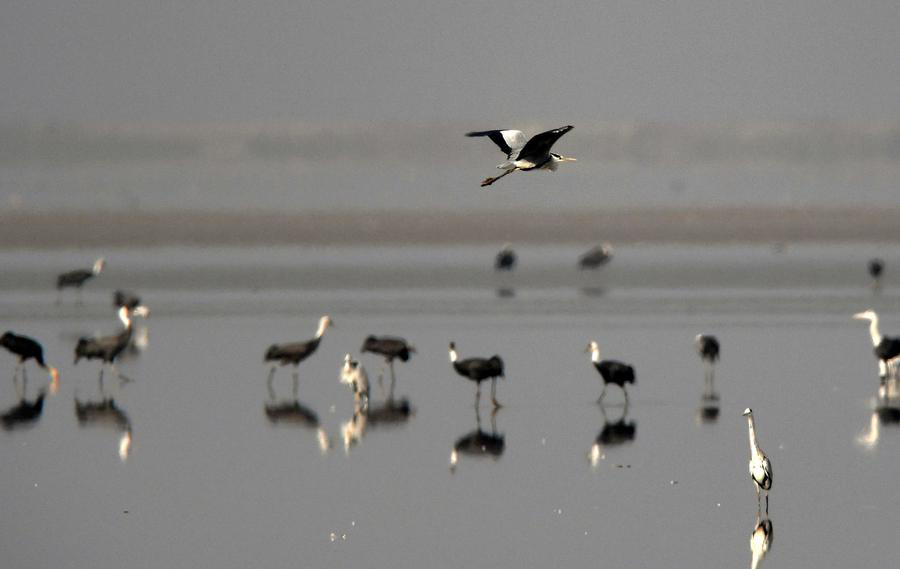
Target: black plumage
x,y
876,267
294,352
612,371
596,257
75,278
531,155
390,347
708,347
126,298
24,347
540,144
108,348
505,260
478,370
888,349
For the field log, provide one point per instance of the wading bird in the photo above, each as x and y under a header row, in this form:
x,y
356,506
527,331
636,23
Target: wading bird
x,y
876,267
390,348
887,350
77,278
521,155
29,349
477,370
708,349
760,466
506,259
108,348
611,371
355,376
596,257
295,352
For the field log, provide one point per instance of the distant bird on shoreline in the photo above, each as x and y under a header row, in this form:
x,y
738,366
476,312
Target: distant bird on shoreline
x,y
596,257
611,371
506,259
477,370
708,349
27,349
887,350
876,268
77,278
295,352
760,466
521,155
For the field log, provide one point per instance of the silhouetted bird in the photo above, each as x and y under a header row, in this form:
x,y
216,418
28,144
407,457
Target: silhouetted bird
x,y
876,267
611,371
28,348
596,257
108,348
391,348
77,278
477,370
506,259
295,352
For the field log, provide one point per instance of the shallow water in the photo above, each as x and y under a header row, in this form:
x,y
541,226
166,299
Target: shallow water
x,y
211,480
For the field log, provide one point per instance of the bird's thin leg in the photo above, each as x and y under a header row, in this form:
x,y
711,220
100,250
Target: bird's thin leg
x,y
767,503
19,393
489,181
477,394
494,393
393,380
625,391
494,420
122,377
381,380
296,377
24,381
602,394
100,381
80,297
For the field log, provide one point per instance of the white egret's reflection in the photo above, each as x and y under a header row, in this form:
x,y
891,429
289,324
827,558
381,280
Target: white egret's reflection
x,y
760,540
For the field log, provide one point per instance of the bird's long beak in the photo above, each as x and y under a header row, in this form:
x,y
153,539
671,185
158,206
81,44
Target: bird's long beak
x,y
860,316
568,159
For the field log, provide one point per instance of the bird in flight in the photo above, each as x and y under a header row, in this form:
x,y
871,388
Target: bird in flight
x,y
525,155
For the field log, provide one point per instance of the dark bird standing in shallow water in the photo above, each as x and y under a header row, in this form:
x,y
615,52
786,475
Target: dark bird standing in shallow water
x,y
29,349
391,348
596,257
77,278
108,348
611,371
506,259
295,352
477,370
708,349
521,155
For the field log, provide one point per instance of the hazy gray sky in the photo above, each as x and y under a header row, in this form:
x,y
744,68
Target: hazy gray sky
x,y
413,59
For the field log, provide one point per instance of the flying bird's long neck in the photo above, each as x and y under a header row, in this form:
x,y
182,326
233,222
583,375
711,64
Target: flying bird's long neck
x,y
754,446
873,331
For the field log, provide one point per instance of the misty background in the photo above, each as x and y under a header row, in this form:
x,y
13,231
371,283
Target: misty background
x,y
337,105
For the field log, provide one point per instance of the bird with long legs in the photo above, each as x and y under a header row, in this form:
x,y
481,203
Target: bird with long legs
x,y
887,350
533,154
390,348
76,279
354,375
478,370
760,465
611,371
295,352
708,350
29,349
108,348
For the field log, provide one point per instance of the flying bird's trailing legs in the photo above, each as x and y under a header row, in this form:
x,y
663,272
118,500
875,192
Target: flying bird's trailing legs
x,y
489,181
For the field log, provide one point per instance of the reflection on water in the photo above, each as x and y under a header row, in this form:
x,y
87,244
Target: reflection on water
x,y
105,412
506,292
613,433
593,291
478,443
708,412
25,413
390,413
293,413
760,540
885,413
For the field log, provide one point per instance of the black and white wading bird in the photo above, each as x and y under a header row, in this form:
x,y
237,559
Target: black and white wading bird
x,y
596,257
521,155
77,278
477,370
876,268
760,466
887,350
505,259
611,371
295,352
354,375
760,540
108,348
708,349
29,349
390,348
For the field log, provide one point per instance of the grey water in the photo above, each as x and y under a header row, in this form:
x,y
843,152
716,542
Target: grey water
x,y
210,479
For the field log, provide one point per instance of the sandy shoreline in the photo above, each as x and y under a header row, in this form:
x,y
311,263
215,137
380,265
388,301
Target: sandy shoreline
x,y
46,230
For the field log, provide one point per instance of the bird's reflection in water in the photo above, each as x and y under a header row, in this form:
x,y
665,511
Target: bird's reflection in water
x,y
885,413
760,540
294,413
391,413
105,412
479,443
708,411
25,413
506,292
593,291
613,433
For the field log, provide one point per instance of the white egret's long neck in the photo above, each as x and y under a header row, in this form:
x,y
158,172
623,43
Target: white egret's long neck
x,y
595,355
322,325
873,331
754,446
453,355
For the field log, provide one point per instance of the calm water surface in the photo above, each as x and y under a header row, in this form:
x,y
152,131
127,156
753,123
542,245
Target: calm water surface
x,y
210,479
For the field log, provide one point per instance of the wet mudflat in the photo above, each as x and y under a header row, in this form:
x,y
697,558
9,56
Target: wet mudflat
x,y
196,464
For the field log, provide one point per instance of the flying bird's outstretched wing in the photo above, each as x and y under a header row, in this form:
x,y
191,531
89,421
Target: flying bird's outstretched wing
x,y
540,144
509,141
